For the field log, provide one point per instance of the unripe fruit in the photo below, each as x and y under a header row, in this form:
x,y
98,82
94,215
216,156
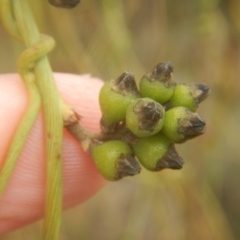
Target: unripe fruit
x,y
114,159
189,95
181,124
156,153
144,117
158,84
115,96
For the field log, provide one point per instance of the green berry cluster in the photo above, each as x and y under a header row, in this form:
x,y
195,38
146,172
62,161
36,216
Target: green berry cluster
x,y
143,124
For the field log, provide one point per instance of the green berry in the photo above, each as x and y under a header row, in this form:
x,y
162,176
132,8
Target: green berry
x,y
114,159
180,124
158,84
144,117
189,95
115,96
156,153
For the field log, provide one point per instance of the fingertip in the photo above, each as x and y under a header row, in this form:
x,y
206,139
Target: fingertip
x,y
23,200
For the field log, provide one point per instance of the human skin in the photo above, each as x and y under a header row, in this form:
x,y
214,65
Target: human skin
x,y
23,199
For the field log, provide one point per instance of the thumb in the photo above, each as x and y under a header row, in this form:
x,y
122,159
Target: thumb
x,y
23,199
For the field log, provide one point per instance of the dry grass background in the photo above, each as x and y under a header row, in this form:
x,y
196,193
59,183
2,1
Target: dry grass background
x,y
202,39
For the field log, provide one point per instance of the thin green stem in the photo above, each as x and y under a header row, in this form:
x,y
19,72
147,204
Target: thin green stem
x,y
53,123
37,75
21,133
34,100
8,20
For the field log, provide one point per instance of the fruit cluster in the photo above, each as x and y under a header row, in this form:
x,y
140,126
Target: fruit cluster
x,y
143,124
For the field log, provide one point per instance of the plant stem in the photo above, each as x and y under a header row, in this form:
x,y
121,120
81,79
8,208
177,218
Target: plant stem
x,y
33,95
18,20
53,124
8,19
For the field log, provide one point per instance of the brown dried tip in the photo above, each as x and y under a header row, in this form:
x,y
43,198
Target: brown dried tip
x,y
71,117
199,91
108,129
64,3
149,115
191,126
162,72
125,83
170,160
127,166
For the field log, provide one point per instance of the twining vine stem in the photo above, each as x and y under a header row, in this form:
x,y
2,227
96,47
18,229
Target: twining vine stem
x,y
37,76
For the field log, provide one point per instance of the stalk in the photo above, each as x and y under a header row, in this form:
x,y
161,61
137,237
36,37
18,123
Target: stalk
x,y
37,75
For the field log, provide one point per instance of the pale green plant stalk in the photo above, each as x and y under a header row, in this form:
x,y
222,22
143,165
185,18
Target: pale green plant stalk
x,y
34,101
21,25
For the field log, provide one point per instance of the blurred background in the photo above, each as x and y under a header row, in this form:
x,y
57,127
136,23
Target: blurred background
x,y
202,39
